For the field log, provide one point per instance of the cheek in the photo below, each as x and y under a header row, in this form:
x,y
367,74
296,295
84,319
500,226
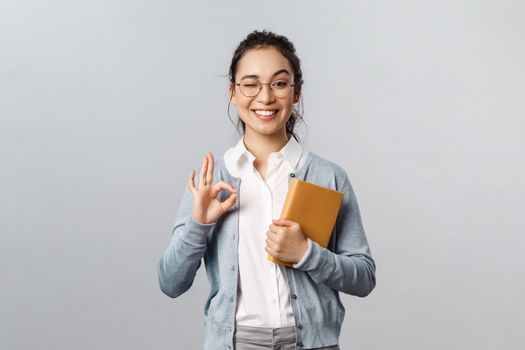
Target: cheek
x,y
243,103
288,104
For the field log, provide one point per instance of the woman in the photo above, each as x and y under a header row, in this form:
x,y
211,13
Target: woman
x,y
254,303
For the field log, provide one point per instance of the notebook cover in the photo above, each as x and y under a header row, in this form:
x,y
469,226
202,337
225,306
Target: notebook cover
x,y
314,207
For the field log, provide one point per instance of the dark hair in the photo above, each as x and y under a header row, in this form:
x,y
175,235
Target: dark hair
x,y
260,39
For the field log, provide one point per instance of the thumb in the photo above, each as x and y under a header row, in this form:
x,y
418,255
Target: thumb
x,y
230,201
281,222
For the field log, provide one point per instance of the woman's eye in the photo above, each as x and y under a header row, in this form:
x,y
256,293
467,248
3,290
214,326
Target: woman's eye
x,y
280,84
250,85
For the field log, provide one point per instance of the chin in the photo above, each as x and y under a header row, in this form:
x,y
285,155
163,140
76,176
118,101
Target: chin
x,y
267,130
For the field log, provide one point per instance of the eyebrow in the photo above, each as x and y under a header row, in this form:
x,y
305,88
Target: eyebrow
x,y
274,74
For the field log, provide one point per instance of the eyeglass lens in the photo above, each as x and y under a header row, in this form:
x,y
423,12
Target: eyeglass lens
x,y
251,87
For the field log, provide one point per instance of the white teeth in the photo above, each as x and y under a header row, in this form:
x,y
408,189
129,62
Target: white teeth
x,y
265,113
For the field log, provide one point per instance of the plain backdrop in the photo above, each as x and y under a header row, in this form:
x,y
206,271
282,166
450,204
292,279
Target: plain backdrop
x,y
106,106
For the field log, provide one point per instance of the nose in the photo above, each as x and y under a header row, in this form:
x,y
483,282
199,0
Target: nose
x,y
265,94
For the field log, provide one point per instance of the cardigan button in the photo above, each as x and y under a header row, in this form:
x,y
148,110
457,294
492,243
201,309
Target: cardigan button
x,y
300,344
294,296
300,326
292,175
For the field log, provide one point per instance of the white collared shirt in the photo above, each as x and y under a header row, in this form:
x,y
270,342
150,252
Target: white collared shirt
x,y
263,296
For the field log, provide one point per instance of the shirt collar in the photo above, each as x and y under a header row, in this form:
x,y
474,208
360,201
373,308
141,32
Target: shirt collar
x,y
291,152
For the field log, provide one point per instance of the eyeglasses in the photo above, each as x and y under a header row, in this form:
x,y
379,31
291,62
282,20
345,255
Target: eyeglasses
x,y
251,87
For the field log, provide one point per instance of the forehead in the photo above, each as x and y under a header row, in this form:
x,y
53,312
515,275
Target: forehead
x,y
262,62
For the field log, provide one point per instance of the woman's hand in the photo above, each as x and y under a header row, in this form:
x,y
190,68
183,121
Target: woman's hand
x,y
207,208
286,241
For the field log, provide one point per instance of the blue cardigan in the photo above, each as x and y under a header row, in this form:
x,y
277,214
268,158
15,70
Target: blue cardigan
x,y
345,266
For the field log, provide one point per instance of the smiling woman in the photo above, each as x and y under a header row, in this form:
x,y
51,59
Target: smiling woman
x,y
264,91
253,302
266,59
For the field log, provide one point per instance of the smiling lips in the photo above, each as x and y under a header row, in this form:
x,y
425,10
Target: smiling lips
x,y
265,113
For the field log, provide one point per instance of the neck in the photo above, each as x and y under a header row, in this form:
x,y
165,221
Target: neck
x,y
261,145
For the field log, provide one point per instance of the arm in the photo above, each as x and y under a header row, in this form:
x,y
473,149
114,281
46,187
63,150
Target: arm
x,y
351,268
181,260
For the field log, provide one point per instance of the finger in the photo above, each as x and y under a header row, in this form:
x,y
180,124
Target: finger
x,y
270,235
277,229
275,238
282,222
209,174
228,203
270,244
202,175
222,184
231,199
191,181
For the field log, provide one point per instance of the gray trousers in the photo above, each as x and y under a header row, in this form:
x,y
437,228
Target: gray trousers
x,y
258,338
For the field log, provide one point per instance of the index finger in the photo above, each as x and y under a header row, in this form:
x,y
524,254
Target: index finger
x,y
209,173
276,229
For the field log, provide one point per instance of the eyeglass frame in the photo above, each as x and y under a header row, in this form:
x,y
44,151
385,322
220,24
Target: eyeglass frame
x,y
260,88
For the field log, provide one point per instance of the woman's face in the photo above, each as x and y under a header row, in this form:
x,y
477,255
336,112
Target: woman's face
x,y
267,65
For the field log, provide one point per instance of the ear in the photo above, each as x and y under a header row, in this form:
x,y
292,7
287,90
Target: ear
x,y
231,91
296,93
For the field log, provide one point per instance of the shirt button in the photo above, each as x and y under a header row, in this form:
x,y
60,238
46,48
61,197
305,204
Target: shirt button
x,y
300,326
233,268
292,175
294,296
231,300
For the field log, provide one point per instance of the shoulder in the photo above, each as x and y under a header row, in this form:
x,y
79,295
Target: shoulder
x,y
324,165
325,171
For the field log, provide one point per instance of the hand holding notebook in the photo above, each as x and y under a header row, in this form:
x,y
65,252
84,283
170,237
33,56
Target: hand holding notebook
x,y
314,208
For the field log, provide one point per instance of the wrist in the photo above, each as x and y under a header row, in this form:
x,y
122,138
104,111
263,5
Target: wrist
x,y
303,250
305,255
201,221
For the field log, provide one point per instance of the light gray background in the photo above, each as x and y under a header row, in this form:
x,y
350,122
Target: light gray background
x,y
106,106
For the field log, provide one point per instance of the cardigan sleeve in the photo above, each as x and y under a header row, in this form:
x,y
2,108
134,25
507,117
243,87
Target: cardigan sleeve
x,y
178,265
306,254
351,268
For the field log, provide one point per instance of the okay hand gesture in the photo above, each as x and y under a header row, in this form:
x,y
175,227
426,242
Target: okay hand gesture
x,y
207,208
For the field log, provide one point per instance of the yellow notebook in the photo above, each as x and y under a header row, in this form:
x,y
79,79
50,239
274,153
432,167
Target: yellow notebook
x,y
314,207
